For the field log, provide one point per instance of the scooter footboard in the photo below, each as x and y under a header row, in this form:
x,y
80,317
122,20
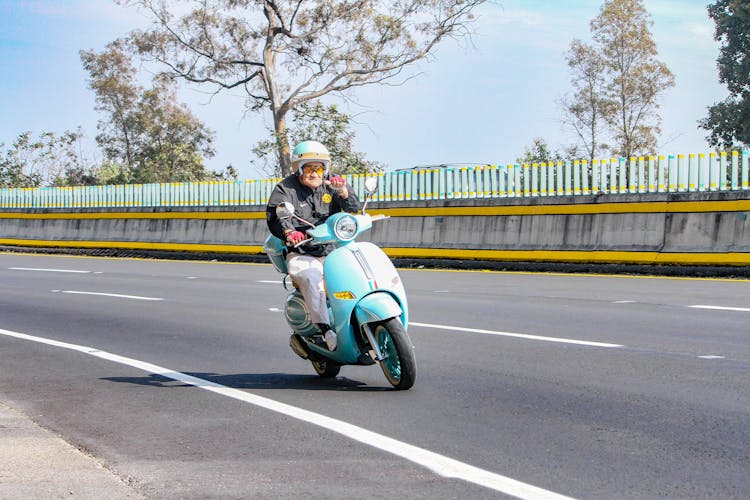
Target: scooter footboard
x,y
377,306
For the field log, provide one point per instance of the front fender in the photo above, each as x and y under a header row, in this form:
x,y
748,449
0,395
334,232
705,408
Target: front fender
x,y
377,306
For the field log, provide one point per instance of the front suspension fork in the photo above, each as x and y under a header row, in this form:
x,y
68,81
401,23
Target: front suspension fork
x,y
379,356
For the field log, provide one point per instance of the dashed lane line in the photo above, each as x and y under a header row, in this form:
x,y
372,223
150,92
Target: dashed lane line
x,y
103,294
516,335
722,308
39,269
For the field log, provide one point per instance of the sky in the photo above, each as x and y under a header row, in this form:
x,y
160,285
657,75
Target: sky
x,y
481,101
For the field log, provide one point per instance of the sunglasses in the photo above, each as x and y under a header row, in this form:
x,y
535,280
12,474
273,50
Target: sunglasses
x,y
308,169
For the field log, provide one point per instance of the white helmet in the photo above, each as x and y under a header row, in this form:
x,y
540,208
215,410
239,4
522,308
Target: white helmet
x,y
308,152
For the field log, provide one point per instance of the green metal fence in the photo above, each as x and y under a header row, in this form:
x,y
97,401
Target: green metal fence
x,y
652,174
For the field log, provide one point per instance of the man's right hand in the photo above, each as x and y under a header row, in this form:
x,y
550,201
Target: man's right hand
x,y
295,237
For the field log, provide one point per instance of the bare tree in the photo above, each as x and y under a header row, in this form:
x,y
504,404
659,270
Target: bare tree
x,y
588,109
286,52
46,160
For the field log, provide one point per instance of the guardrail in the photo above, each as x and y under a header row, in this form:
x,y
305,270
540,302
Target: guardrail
x,y
652,174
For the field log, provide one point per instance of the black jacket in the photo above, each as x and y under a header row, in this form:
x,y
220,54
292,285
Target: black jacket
x,y
313,206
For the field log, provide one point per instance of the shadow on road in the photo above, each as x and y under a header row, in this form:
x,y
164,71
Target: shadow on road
x,y
255,381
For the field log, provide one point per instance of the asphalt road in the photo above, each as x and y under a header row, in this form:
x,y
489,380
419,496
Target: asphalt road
x,y
528,384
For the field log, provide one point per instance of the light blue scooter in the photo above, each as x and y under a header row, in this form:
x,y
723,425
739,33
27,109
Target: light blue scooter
x,y
366,300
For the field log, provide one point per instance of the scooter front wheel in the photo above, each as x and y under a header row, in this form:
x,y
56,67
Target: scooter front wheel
x,y
326,369
399,365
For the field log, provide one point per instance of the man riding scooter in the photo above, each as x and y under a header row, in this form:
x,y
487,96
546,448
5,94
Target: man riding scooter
x,y
315,196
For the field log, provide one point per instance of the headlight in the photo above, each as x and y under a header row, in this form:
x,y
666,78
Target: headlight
x,y
345,228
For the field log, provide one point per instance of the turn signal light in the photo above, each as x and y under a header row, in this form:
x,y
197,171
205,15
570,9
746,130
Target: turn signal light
x,y
344,295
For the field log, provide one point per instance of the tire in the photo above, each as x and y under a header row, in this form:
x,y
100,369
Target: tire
x,y
326,369
399,365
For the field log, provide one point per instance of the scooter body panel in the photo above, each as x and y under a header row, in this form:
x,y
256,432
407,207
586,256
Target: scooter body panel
x,y
362,286
377,306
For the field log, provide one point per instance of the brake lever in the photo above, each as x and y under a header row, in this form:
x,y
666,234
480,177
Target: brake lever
x,y
302,242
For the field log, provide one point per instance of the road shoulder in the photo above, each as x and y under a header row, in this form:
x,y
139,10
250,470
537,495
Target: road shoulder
x,y
37,463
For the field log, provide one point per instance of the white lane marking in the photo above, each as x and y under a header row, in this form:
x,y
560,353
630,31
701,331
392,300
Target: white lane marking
x,y
624,302
192,277
720,308
270,281
517,335
47,270
274,309
711,356
117,295
439,464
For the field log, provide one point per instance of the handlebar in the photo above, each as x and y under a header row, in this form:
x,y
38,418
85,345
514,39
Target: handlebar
x,y
327,239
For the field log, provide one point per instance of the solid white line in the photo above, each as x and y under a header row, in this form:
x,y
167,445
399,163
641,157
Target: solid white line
x,y
439,464
119,296
269,281
47,270
517,335
720,308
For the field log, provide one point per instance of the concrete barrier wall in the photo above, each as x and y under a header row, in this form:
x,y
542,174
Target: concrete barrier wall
x,y
651,226
695,228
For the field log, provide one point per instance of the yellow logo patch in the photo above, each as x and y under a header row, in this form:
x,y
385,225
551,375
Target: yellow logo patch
x,y
327,198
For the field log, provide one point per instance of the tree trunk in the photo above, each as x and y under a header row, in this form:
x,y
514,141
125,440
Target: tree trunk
x,y
278,108
283,150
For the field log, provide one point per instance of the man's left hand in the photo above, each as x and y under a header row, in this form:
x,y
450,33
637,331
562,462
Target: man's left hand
x,y
339,185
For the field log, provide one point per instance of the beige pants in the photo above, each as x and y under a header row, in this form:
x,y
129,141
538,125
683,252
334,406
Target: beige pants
x,y
307,272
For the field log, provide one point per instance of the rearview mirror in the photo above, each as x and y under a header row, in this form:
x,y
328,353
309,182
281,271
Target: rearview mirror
x,y
285,210
371,185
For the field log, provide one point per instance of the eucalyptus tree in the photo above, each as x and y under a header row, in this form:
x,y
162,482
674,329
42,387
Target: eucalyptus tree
x,y
147,135
617,81
635,77
112,79
282,53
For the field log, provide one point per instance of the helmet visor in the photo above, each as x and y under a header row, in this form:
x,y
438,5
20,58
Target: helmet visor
x,y
312,164
313,167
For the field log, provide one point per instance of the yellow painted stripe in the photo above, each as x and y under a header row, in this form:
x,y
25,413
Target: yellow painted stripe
x,y
136,215
136,245
616,257
587,208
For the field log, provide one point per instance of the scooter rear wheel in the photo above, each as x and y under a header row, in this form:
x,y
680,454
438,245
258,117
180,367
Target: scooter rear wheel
x,y
326,369
399,365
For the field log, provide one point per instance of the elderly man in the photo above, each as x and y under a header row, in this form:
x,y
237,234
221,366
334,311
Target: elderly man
x,y
315,196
